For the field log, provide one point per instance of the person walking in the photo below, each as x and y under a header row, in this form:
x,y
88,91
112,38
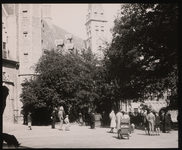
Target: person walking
x,y
157,123
53,117
167,122
119,116
66,120
61,117
112,116
29,119
163,121
92,120
145,122
151,121
80,120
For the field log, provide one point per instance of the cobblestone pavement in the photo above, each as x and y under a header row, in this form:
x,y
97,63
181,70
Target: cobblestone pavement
x,y
84,137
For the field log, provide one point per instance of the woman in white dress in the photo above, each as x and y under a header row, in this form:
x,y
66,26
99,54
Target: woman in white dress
x,y
112,116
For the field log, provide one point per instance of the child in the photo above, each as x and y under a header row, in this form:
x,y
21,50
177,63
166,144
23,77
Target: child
x,y
66,120
157,123
29,119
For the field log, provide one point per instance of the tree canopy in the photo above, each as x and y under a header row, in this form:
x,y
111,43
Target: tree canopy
x,y
143,55
66,80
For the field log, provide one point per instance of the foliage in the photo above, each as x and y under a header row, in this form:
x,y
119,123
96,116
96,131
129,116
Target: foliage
x,y
66,80
143,55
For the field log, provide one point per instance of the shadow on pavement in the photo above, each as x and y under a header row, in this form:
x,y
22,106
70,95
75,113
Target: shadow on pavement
x,y
5,146
116,137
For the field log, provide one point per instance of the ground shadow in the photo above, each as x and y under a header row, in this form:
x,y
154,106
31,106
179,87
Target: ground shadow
x,y
147,134
111,132
5,146
116,137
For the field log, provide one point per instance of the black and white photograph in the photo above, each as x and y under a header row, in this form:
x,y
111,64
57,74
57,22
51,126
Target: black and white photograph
x,y
90,75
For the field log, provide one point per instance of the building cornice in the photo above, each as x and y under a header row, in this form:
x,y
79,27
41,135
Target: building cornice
x,y
99,20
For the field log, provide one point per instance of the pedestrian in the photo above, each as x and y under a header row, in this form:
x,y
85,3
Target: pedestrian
x,y
92,120
112,116
102,118
80,119
163,121
145,122
29,119
66,120
157,123
53,118
151,121
61,117
119,116
167,122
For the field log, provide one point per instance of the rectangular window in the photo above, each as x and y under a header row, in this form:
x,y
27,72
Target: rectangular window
x,y
25,34
4,45
25,57
96,31
95,14
102,32
25,14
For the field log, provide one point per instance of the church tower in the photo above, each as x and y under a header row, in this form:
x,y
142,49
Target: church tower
x,y
96,29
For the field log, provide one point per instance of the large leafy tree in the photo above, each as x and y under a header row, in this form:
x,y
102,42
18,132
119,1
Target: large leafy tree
x,y
143,55
66,80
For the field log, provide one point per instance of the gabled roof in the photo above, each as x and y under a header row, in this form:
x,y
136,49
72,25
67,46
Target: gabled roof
x,y
50,33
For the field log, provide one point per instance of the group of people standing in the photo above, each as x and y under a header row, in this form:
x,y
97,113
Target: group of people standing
x,y
62,118
116,120
153,122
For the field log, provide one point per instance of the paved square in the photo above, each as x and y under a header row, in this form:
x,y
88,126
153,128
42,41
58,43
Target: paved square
x,y
83,137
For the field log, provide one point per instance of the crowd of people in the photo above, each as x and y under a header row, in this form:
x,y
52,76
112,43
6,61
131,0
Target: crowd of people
x,y
152,122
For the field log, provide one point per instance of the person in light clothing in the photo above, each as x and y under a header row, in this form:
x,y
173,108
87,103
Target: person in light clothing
x,y
112,116
151,121
61,117
119,116
66,120
29,119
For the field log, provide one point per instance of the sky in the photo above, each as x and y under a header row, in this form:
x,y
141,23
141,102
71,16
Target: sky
x,y
72,17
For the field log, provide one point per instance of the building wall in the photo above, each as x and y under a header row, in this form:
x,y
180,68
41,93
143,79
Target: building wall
x,y
10,62
29,40
96,29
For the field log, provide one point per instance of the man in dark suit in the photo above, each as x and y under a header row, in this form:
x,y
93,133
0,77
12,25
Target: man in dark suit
x,y
53,117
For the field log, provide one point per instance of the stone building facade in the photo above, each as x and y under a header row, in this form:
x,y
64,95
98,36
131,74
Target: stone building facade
x,y
10,62
27,30
96,29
